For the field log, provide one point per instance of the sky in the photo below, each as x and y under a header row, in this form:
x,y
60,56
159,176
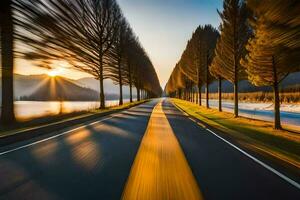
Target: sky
x,y
163,28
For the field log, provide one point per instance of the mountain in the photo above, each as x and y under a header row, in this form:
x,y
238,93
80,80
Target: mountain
x,y
37,87
25,85
59,88
109,86
94,84
246,86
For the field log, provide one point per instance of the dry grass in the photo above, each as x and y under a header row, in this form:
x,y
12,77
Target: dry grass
x,y
254,134
285,97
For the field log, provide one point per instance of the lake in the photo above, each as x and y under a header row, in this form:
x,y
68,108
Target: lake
x,y
34,109
262,111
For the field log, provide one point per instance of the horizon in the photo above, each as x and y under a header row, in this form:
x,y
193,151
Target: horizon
x,y
149,99
163,45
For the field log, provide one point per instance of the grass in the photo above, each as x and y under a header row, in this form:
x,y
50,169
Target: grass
x,y
292,97
257,135
34,123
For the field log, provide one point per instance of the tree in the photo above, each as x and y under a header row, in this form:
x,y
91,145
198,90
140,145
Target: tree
x,y
117,63
212,67
267,63
193,67
145,76
81,32
7,61
230,47
130,55
208,40
176,82
197,57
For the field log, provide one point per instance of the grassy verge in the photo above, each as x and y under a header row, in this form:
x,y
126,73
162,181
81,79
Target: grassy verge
x,y
286,97
256,135
44,121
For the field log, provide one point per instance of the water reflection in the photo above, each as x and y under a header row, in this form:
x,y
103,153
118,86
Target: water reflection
x,y
34,109
262,111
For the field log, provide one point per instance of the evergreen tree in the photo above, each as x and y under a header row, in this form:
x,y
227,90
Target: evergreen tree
x,y
274,50
231,44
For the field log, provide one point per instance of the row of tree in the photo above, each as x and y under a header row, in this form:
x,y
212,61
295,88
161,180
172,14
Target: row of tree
x,y
257,40
93,36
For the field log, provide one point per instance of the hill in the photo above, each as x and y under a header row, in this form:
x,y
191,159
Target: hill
x,y
59,88
30,87
109,87
245,86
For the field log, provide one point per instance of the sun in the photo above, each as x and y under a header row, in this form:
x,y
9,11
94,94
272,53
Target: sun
x,y
53,73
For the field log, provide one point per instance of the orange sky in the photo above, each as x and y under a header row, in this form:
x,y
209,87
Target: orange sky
x,y
60,68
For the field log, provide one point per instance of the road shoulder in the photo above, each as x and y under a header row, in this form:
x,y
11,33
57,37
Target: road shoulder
x,y
281,155
39,129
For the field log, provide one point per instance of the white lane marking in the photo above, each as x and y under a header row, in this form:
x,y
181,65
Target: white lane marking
x,y
58,135
284,177
192,119
294,183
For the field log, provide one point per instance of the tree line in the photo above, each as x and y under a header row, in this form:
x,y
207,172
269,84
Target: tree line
x,y
93,36
257,41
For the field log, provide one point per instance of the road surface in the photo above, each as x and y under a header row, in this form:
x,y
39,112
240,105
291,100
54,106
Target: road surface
x,y
152,151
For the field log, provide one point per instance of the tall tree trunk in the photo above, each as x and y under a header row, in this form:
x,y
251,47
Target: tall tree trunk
x,y
7,43
193,95
236,99
277,122
187,94
191,91
199,94
207,95
138,93
120,84
130,91
101,79
236,89
235,63
190,94
220,94
130,81
207,80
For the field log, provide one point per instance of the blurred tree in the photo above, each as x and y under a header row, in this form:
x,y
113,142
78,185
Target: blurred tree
x,y
7,62
208,40
231,44
81,32
196,58
88,34
117,64
130,52
274,50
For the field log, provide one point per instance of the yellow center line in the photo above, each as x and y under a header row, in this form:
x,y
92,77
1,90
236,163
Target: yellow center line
x,y
160,170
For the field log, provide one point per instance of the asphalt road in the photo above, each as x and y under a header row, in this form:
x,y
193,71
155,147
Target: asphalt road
x,y
95,161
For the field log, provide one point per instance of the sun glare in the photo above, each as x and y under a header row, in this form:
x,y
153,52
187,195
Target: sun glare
x,y
53,73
